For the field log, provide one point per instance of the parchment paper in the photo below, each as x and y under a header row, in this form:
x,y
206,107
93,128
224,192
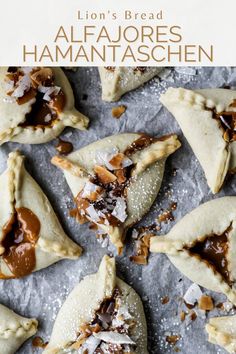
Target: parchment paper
x,y
41,294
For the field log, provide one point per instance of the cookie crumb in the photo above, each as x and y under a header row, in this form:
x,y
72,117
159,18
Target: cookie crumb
x,y
220,306
118,111
193,316
64,147
205,303
142,244
172,339
165,300
166,216
182,316
38,342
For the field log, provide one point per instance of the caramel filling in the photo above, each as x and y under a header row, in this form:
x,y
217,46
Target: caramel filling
x,y
214,250
227,121
103,321
141,143
44,111
20,236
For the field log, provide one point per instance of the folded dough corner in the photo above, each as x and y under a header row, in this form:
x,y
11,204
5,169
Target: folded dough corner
x,y
222,331
14,330
207,118
102,312
31,237
202,246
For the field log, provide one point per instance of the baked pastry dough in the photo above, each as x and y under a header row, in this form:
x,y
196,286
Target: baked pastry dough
x,y
102,312
208,120
222,331
116,180
202,245
31,236
14,330
36,104
116,81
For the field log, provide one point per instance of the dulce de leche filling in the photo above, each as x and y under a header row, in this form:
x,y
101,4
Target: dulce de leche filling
x,y
213,250
25,84
227,121
141,143
112,317
20,235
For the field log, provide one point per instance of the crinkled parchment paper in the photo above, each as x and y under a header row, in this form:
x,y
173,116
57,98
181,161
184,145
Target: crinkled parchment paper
x,y
41,294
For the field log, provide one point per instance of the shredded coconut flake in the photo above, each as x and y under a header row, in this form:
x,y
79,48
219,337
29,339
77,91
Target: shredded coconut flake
x,y
104,156
127,162
89,188
93,213
114,338
193,294
120,209
27,69
104,241
122,315
90,345
24,85
135,234
42,89
47,95
48,91
48,118
227,306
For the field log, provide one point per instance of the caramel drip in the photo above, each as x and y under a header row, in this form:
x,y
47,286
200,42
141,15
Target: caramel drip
x,y
141,143
20,236
214,250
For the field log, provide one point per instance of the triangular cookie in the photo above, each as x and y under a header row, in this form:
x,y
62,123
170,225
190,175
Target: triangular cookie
x,y
14,330
115,180
202,246
222,331
94,314
36,104
31,236
116,81
208,121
